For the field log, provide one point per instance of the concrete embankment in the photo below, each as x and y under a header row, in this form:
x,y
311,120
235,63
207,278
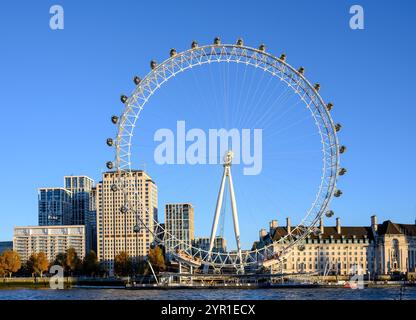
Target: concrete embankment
x,y
32,282
44,282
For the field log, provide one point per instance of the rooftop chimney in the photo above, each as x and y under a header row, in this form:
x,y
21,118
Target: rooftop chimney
x,y
273,225
262,234
374,223
338,225
288,226
321,225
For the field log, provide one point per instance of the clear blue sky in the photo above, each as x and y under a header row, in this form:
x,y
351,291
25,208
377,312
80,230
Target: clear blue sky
x,y
59,88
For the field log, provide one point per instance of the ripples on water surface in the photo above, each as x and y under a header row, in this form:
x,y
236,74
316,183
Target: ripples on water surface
x,y
409,293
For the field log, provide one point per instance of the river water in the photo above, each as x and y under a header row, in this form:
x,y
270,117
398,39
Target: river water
x,y
390,293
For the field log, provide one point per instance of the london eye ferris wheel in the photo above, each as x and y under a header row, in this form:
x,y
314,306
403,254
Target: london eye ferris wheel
x,y
279,72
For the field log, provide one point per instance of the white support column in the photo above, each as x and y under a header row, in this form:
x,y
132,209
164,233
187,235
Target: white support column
x,y
235,215
217,213
227,173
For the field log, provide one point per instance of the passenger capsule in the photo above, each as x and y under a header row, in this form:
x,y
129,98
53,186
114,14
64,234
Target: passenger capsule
x,y
110,165
317,87
262,47
342,149
301,70
114,188
153,64
114,119
109,142
194,45
342,171
283,57
137,80
217,41
123,98
329,213
172,52
123,209
338,127
240,42
337,193
329,106
301,247
136,228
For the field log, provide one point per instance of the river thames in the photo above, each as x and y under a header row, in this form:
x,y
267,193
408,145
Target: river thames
x,y
385,293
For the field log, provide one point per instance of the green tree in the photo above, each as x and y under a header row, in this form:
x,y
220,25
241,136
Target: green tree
x,y
90,265
157,259
11,262
122,264
38,263
73,262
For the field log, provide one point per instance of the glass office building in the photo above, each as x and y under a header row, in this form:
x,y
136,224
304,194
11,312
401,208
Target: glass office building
x,y
55,206
83,212
80,188
72,205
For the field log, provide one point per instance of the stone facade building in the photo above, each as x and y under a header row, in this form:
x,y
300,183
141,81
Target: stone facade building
x,y
395,247
378,249
116,230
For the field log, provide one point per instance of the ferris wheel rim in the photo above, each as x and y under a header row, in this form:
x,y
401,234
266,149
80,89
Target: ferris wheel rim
x,y
329,126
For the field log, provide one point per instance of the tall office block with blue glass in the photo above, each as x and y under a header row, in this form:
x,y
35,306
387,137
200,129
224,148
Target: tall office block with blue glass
x,y
54,206
83,213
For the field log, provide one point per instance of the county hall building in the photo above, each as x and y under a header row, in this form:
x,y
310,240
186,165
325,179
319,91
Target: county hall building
x,y
378,249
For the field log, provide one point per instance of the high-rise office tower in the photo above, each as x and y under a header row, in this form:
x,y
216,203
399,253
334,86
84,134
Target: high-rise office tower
x,y
116,227
80,187
54,206
91,223
179,226
83,212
